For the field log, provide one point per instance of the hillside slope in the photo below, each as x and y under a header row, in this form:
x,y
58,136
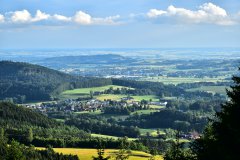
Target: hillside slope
x,y
22,82
17,120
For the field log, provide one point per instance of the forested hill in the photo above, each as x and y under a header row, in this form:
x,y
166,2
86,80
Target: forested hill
x,y
17,120
9,114
22,82
89,59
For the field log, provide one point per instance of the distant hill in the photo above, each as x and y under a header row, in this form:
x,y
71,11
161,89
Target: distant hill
x,y
27,82
88,59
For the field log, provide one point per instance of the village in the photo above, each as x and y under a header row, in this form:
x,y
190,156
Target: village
x,y
92,105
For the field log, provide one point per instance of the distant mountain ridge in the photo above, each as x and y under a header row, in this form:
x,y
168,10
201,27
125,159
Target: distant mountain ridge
x,y
27,82
90,59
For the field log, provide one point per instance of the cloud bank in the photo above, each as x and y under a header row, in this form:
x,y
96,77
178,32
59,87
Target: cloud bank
x,y
1,18
206,13
80,17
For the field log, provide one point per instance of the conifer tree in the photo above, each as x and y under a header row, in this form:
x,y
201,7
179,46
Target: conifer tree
x,y
221,139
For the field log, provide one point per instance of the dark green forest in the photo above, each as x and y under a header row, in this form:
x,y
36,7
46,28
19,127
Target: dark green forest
x,y
21,82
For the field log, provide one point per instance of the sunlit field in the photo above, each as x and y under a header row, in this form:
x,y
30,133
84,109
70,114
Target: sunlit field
x,y
87,154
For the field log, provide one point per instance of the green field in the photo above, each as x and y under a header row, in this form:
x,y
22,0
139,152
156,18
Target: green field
x,y
181,140
92,113
152,131
86,154
118,97
146,97
76,93
81,92
148,111
110,137
156,107
113,97
212,89
177,80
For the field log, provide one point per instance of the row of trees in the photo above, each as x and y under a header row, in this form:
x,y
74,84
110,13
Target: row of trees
x,y
16,151
167,119
198,105
100,125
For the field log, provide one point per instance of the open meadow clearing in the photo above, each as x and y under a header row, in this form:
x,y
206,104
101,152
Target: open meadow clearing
x,y
110,137
81,92
156,107
212,89
145,97
147,111
152,131
178,80
86,154
76,93
113,97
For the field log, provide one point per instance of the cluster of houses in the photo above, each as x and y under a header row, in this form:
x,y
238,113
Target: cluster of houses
x,y
191,136
91,105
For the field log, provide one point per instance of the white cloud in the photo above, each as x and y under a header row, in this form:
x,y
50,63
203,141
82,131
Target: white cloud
x,y
111,20
21,16
40,16
86,19
153,13
2,18
25,17
61,18
207,13
82,18
212,9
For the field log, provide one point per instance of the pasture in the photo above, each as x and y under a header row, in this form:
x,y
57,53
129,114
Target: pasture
x,y
118,97
113,97
110,137
146,97
147,111
152,132
80,92
87,154
83,92
212,89
178,80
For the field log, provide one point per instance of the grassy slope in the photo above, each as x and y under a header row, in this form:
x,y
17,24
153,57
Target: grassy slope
x,y
75,93
213,89
146,97
118,97
86,91
177,80
148,111
110,96
94,89
153,131
110,137
86,154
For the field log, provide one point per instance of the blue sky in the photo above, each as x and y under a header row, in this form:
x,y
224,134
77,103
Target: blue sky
x,y
30,24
